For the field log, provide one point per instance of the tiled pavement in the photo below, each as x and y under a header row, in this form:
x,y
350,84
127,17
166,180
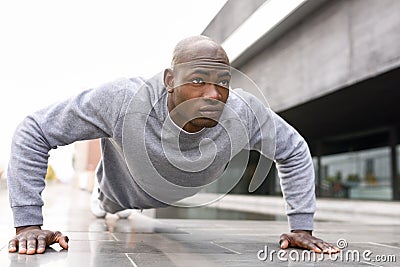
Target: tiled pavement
x,y
144,241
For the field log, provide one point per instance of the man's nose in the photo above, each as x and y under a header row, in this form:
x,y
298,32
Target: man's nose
x,y
211,91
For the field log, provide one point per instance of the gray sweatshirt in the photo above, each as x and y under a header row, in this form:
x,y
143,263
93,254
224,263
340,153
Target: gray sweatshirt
x,y
148,161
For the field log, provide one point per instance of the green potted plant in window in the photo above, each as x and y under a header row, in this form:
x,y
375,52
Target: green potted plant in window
x,y
353,180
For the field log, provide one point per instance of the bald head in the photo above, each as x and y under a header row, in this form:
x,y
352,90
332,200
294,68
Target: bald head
x,y
198,48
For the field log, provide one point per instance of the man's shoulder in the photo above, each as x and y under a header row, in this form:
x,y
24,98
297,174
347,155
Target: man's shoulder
x,y
241,99
132,86
138,85
146,96
249,105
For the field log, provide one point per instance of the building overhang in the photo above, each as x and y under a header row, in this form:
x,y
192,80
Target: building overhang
x,y
266,24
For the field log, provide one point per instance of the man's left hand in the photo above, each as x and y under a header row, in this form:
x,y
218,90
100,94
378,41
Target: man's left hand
x,y
305,239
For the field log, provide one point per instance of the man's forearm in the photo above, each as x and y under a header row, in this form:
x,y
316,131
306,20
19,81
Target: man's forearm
x,y
79,118
296,170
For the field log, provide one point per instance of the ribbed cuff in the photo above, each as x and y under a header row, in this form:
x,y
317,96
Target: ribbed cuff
x,y
27,215
301,221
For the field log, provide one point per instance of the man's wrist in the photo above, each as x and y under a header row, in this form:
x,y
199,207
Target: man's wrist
x,y
22,228
302,231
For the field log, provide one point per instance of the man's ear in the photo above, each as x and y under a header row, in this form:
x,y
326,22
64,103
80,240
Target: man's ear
x,y
169,80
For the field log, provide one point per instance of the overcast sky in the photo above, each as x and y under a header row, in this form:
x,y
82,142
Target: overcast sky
x,y
51,50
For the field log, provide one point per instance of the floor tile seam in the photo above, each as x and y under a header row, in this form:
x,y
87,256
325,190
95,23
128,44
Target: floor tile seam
x,y
131,260
180,253
115,238
383,245
236,252
370,242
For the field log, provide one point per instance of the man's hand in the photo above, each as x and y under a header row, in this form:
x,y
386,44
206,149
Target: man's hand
x,y
32,239
304,239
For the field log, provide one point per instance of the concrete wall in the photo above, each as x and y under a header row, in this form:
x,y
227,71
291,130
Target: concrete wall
x,y
342,42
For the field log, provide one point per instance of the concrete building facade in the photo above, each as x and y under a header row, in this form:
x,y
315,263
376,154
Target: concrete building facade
x,y
331,69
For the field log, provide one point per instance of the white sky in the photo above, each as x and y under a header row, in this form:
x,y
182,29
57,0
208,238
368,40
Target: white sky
x,y
50,50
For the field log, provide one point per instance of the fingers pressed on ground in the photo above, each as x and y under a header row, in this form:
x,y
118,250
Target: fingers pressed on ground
x,y
325,247
313,247
64,242
284,243
12,245
41,246
333,249
31,246
22,246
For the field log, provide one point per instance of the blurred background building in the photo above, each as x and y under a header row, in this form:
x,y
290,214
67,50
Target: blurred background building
x,y
331,69
85,160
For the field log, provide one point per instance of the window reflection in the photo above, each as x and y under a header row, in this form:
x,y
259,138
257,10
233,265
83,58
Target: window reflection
x,y
357,175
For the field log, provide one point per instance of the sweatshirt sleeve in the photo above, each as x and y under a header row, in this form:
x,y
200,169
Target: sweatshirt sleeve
x,y
91,114
296,170
293,161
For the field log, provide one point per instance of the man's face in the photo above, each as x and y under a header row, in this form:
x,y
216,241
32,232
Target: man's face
x,y
198,85
200,92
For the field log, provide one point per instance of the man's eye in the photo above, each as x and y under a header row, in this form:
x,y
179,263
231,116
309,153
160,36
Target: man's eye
x,y
198,81
224,83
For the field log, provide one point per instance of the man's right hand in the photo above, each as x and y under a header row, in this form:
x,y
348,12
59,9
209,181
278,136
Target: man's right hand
x,y
32,239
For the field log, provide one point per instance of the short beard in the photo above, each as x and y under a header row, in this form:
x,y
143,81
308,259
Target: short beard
x,y
204,122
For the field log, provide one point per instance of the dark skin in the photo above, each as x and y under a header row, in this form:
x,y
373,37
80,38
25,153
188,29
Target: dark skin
x,y
202,86
32,239
206,90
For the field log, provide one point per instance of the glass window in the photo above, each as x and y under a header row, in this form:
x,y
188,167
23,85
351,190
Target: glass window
x,y
358,175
